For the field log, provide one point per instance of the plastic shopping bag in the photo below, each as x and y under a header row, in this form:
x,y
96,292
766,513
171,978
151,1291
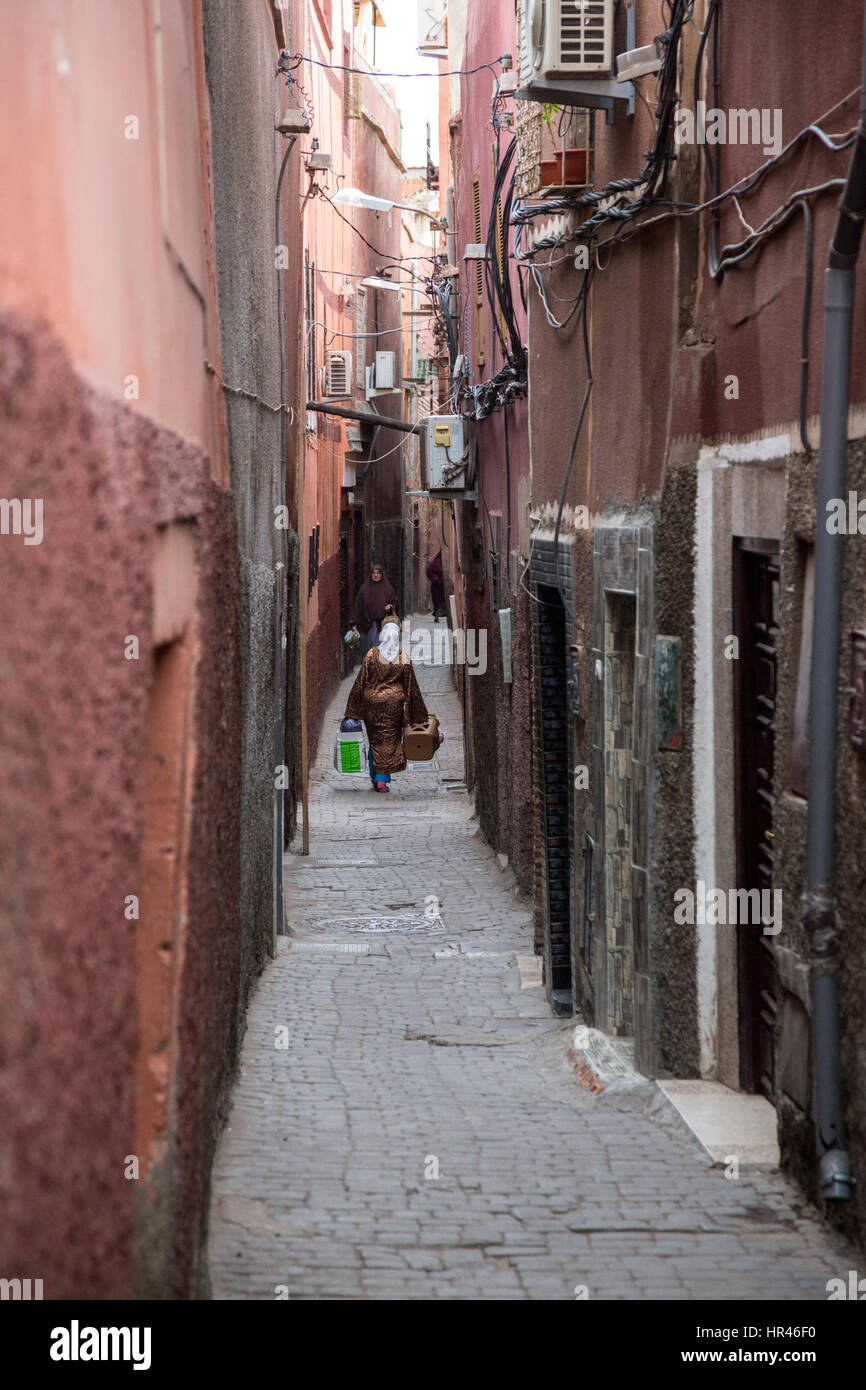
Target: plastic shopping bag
x,y
350,748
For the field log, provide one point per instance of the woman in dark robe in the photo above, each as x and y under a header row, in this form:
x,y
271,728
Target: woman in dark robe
x,y
373,598
437,586
385,695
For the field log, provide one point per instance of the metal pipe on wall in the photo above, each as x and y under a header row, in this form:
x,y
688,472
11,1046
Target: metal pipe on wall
x,y
820,914
280,597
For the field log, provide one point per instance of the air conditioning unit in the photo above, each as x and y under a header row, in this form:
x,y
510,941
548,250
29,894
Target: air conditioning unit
x,y
381,375
338,374
444,454
384,371
565,38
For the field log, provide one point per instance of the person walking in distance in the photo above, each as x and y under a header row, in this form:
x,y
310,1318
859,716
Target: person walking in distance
x,y
385,695
437,586
374,596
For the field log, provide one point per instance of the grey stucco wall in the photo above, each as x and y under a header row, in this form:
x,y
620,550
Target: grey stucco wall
x,y
245,94
673,948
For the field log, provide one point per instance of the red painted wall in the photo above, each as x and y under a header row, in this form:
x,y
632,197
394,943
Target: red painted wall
x,y
664,336
490,31
499,720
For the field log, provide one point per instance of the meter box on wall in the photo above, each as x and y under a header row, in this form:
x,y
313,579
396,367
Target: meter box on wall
x,y
444,455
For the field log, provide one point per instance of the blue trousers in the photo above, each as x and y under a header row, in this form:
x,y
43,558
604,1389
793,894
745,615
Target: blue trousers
x,y
369,639
379,776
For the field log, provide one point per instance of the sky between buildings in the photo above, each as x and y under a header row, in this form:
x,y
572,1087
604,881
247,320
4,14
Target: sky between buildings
x,y
397,51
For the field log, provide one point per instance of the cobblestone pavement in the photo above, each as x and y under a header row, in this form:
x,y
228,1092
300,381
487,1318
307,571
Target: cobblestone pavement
x,y
428,1048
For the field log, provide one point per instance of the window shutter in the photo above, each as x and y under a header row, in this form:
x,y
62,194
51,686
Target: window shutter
x,y
478,270
360,329
501,257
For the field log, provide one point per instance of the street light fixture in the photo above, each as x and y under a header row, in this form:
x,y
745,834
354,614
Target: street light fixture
x,y
354,198
374,282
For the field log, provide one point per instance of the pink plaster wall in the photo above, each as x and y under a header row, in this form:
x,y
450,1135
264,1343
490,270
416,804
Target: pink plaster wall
x,y
73,728
82,243
106,270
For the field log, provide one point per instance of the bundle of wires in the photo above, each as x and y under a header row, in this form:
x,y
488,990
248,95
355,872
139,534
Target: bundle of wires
x,y
496,268
619,200
510,383
442,293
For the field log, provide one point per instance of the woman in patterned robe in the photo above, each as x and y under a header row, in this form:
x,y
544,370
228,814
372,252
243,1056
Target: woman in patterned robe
x,y
385,695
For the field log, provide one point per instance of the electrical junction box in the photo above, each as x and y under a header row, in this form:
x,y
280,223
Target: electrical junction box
x,y
444,455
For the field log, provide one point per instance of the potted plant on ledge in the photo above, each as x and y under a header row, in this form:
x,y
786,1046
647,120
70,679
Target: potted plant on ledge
x,y
564,168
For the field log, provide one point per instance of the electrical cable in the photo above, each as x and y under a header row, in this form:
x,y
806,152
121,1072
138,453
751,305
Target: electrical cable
x,y
577,430
732,255
336,333
736,252
250,395
392,265
323,195
501,268
496,275
444,293
511,382
296,59
715,163
542,291
748,184
621,208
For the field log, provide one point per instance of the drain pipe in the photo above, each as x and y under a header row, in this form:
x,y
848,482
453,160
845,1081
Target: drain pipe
x,y
820,916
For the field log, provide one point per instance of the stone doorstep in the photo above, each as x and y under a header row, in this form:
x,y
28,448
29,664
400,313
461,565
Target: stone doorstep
x,y
726,1123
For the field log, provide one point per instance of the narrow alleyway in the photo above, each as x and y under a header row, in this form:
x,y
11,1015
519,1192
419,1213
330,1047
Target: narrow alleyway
x,y
421,1135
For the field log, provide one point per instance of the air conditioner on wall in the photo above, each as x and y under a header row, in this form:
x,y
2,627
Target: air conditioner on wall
x,y
565,38
384,370
338,374
381,375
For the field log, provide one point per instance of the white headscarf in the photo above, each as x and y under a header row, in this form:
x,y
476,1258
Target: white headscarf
x,y
389,642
